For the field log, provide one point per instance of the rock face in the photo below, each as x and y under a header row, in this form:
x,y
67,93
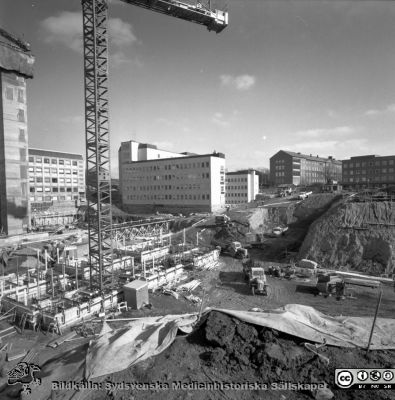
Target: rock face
x,y
359,236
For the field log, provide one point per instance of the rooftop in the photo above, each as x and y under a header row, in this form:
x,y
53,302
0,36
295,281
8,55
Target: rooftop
x,y
54,153
309,157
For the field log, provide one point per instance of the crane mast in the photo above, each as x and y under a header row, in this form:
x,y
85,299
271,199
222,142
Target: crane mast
x,y
97,132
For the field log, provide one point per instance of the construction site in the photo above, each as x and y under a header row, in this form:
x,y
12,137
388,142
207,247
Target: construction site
x,y
266,300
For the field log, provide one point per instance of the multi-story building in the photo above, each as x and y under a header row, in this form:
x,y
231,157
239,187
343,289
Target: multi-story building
x,y
241,186
156,180
287,167
369,171
16,66
55,176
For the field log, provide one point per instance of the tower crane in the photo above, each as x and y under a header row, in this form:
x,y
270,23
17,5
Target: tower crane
x,y
97,130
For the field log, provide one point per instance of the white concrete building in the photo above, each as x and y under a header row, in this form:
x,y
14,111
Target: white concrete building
x,y
153,180
241,186
55,176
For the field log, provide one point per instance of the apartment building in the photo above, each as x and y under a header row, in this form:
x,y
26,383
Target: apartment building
x,y
170,182
370,171
55,176
287,167
16,67
241,186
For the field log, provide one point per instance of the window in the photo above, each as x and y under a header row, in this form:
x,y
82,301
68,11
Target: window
x,y
46,160
54,161
31,159
38,160
46,170
31,189
61,162
75,163
39,189
22,137
39,180
54,180
61,189
54,170
67,162
47,180
21,115
21,96
55,189
9,93
39,170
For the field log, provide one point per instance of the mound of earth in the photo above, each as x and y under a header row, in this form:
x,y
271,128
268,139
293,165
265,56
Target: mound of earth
x,y
226,350
359,236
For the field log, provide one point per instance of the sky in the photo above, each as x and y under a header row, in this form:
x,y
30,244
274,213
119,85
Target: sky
x,y
315,77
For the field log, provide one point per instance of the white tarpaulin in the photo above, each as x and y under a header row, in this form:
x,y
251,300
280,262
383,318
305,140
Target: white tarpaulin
x,y
308,323
140,339
118,349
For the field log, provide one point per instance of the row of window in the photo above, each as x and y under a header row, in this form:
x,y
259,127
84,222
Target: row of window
x,y
169,167
370,172
12,93
376,163
237,187
205,175
52,180
236,195
236,179
189,186
39,170
45,160
168,197
53,189
52,198
388,178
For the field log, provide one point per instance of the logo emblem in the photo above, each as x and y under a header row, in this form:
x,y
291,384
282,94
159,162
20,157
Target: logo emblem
x,y
344,379
24,374
375,375
362,375
388,375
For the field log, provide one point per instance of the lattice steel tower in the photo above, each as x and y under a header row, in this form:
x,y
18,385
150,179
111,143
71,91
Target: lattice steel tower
x,y
97,135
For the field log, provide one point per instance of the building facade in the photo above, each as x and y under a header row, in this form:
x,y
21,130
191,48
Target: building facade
x,y
241,187
16,66
55,176
369,171
287,167
182,183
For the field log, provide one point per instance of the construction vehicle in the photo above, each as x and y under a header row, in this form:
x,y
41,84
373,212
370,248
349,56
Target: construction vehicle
x,y
256,278
331,283
306,268
234,248
222,220
278,231
304,195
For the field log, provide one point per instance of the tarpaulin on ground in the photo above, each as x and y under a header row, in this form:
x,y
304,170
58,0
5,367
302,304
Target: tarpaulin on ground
x,y
138,340
308,323
118,349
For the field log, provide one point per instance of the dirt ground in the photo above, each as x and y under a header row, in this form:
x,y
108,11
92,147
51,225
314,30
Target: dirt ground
x,y
222,349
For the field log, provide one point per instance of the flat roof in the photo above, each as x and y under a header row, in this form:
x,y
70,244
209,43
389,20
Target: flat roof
x,y
218,155
54,153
